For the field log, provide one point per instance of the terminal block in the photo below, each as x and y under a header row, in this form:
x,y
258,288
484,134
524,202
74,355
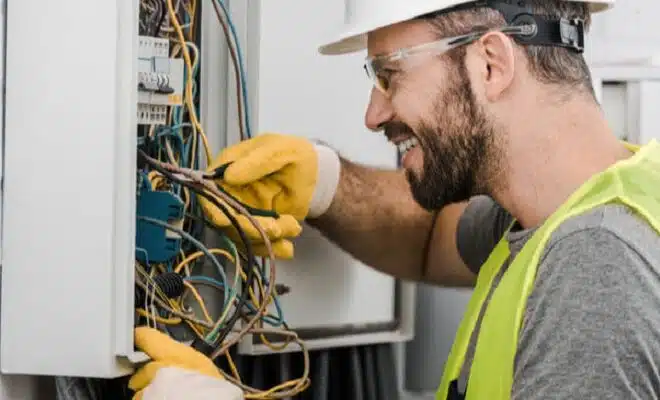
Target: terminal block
x,y
155,243
160,80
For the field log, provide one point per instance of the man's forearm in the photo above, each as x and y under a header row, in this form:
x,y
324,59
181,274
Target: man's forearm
x,y
374,217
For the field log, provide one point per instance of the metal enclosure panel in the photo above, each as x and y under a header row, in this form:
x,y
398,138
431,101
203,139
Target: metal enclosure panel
x,y
629,95
438,314
3,26
613,102
293,90
12,387
305,98
67,277
649,117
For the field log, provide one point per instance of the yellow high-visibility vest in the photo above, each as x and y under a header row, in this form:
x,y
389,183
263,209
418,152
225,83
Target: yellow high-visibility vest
x,y
634,182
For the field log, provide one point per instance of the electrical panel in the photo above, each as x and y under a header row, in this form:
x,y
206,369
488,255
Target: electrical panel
x,y
102,232
160,80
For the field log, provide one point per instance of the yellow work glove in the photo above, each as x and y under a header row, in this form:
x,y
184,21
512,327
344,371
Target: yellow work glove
x,y
175,366
286,174
279,229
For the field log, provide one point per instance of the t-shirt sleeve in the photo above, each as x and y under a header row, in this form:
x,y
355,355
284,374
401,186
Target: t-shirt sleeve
x,y
480,228
592,323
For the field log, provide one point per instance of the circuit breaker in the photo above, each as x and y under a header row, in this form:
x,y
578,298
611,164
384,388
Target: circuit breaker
x,y
160,80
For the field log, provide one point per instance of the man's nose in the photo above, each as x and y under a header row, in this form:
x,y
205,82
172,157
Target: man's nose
x,y
379,111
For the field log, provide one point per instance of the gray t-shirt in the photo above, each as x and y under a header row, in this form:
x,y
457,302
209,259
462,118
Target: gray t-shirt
x,y
591,328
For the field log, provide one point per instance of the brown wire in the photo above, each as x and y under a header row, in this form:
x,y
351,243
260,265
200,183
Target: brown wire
x,y
237,76
302,383
162,304
197,177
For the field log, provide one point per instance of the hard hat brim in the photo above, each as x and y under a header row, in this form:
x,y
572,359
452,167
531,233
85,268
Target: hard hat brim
x,y
345,45
356,40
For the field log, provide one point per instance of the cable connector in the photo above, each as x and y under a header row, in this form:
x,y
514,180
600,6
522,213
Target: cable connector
x,y
170,283
156,243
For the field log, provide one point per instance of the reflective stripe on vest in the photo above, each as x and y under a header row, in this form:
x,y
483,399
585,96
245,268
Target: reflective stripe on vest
x,y
634,182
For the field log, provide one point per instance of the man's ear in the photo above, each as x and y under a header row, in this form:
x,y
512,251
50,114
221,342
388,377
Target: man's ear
x,y
497,51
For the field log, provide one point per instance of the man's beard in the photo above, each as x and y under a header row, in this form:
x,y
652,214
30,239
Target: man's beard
x,y
460,155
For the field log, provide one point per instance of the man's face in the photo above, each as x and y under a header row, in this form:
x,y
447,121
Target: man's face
x,y
446,140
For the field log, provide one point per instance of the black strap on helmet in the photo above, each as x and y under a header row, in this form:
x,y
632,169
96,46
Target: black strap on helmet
x,y
548,30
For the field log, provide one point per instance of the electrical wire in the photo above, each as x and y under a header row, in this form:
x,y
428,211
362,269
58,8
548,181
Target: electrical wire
x,y
195,180
229,31
242,286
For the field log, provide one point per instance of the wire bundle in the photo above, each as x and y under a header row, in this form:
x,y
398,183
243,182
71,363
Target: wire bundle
x,y
243,286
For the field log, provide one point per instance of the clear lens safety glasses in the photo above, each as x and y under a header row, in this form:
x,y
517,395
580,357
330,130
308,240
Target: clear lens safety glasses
x,y
375,67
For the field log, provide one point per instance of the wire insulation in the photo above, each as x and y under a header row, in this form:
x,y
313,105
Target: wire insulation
x,y
229,295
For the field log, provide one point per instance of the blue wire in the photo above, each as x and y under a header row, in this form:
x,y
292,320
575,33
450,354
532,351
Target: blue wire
x,y
241,68
146,254
276,322
278,307
210,280
194,241
146,183
185,149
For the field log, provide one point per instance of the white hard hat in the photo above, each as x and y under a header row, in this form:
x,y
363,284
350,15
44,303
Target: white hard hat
x,y
364,16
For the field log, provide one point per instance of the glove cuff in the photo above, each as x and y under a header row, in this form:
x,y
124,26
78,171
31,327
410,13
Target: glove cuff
x,y
329,168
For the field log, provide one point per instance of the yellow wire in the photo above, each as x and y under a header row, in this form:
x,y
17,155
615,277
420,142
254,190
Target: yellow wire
x,y
189,93
200,301
265,393
158,318
199,254
257,303
188,85
187,260
199,330
198,129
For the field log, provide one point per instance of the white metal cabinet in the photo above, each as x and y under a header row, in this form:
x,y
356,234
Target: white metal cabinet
x,y
69,187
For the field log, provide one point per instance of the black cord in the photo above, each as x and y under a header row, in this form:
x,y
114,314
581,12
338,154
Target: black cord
x,y
194,224
243,298
219,173
163,13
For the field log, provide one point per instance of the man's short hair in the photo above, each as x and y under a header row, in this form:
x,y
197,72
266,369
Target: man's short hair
x,y
549,64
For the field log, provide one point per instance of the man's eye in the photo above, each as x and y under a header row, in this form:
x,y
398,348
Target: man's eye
x,y
385,76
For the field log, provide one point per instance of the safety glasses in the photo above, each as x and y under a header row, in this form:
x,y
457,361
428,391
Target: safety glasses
x,y
380,68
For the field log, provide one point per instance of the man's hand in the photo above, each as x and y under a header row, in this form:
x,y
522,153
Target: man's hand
x,y
177,371
286,174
